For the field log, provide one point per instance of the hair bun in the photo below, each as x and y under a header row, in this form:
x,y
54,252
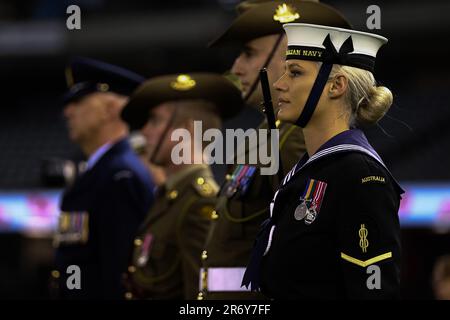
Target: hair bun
x,y
371,110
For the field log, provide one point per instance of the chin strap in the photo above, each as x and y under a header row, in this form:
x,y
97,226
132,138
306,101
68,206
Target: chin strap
x,y
331,56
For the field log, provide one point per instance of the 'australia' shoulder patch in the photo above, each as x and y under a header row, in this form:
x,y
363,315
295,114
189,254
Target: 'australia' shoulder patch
x,y
373,179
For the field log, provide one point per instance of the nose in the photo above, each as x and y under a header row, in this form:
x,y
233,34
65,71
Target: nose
x,y
144,130
68,110
280,84
237,67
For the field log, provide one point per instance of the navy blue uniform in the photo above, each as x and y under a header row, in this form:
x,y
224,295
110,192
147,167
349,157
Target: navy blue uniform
x,y
101,213
334,231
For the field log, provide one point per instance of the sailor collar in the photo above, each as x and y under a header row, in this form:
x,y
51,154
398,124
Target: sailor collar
x,y
352,140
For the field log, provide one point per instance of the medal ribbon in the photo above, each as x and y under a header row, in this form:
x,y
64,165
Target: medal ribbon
x,y
313,194
318,194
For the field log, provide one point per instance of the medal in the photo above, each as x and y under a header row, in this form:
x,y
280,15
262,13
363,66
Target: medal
x,y
145,250
73,228
311,201
310,216
301,211
230,190
239,180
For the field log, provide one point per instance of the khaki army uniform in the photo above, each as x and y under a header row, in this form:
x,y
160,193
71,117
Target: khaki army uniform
x,y
166,255
237,220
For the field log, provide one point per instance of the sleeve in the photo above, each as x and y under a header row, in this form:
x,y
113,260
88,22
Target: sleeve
x,y
369,234
121,213
192,235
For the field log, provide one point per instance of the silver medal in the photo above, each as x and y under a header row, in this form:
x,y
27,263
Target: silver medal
x,y
310,216
301,211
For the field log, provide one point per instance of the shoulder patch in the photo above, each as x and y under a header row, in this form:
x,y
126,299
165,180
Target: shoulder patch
x,y
373,179
206,187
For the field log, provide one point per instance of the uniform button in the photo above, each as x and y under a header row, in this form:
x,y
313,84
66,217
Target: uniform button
x,y
173,194
131,269
207,189
200,181
228,177
128,296
200,296
137,242
214,215
55,274
204,255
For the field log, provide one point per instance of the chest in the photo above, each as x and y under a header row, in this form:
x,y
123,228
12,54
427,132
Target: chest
x,y
168,213
87,190
306,205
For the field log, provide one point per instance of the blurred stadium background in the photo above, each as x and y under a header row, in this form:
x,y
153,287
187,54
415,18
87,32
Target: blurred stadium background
x,y
156,37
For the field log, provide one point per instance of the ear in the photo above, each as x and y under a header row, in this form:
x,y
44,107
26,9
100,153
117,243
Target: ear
x,y
114,105
338,86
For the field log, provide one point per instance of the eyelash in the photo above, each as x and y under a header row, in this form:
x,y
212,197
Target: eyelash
x,y
248,54
294,74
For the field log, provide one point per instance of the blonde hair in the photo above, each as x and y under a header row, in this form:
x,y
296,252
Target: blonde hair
x,y
368,102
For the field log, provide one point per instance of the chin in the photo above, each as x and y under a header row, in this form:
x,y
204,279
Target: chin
x,y
285,116
74,136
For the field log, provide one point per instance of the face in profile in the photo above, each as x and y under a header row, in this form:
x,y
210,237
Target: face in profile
x,y
252,58
294,87
153,132
86,116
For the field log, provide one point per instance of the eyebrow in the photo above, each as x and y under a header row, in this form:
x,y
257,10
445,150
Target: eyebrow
x,y
293,64
249,48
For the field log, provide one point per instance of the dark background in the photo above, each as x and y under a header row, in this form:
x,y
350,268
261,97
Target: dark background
x,y
157,37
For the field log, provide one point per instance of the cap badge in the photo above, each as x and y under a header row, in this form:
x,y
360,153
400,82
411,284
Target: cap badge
x,y
102,87
183,82
285,14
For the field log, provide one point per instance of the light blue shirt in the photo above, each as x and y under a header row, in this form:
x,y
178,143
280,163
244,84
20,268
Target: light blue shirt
x,y
93,159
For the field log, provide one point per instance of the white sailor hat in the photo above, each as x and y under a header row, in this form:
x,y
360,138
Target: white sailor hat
x,y
332,45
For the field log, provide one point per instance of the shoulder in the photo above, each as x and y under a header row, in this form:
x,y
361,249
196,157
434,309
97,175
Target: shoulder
x,y
357,173
360,184
126,165
201,195
354,167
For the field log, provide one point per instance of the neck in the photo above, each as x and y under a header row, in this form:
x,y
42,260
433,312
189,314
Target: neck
x,y
91,145
317,134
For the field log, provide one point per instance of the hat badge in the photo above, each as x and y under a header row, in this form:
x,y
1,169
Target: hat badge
x,y
102,87
285,14
183,82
